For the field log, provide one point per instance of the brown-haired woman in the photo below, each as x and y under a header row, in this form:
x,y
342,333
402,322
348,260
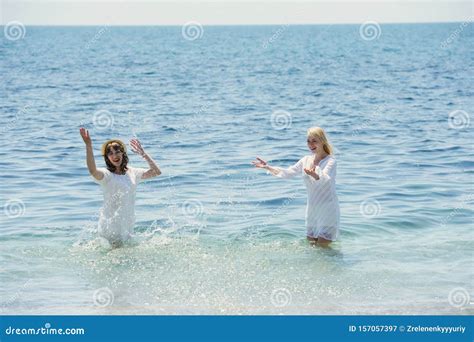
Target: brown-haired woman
x,y
119,182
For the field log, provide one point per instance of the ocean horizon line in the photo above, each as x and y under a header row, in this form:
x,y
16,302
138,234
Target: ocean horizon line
x,y
250,25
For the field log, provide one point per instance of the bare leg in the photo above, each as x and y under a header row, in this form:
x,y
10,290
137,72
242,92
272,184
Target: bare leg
x,y
322,242
312,240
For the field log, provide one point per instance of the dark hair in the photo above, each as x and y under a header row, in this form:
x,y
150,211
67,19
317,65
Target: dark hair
x,y
123,165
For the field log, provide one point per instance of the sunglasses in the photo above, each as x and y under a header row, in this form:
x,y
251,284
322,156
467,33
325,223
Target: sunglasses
x,y
115,147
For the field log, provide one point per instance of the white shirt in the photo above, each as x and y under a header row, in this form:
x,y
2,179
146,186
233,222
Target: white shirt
x,y
322,209
117,216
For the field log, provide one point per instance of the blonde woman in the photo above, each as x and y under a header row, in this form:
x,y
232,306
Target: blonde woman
x,y
319,174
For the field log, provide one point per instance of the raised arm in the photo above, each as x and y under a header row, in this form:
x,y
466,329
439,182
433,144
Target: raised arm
x,y
290,172
90,155
153,170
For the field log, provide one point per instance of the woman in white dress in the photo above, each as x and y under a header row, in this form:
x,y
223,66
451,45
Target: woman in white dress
x,y
119,182
319,175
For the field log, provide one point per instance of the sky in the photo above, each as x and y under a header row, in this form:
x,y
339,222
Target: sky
x,y
231,12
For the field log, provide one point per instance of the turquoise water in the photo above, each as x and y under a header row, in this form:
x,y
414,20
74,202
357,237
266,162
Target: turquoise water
x,y
213,234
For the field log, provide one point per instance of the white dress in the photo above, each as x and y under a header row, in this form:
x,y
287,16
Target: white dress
x,y
117,216
322,209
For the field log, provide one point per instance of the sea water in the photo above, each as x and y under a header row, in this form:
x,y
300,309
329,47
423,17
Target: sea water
x,y
214,235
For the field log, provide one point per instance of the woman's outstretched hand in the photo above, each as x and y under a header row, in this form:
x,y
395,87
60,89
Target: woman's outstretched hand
x,y
260,163
137,147
312,172
85,136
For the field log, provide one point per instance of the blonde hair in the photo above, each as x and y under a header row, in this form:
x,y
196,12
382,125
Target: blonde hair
x,y
318,132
